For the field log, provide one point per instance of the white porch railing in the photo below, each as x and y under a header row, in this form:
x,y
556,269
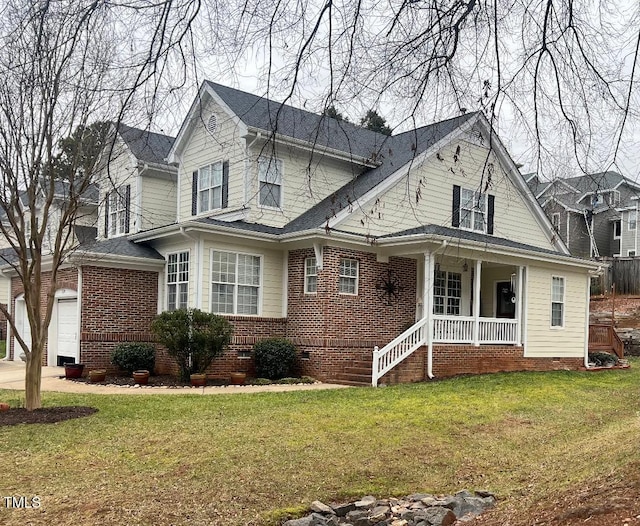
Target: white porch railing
x,y
460,329
446,329
398,349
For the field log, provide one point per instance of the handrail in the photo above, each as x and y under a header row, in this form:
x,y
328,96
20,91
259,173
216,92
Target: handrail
x,y
604,337
398,349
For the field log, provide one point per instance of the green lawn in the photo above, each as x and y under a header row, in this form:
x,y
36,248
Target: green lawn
x,y
189,459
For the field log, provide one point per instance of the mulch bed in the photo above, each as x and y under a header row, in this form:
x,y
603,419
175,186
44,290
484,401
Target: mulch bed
x,y
154,381
45,415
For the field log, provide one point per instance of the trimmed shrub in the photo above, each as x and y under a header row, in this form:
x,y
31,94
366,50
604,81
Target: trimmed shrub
x,y
134,356
193,338
274,358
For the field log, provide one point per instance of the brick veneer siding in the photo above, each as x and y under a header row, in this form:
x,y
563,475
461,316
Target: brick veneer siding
x,y
452,360
67,279
335,330
117,306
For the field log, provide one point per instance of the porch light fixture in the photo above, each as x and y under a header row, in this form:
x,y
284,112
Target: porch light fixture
x,y
465,267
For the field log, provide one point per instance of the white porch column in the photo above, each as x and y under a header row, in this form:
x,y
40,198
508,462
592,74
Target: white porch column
x,y
519,310
427,308
477,280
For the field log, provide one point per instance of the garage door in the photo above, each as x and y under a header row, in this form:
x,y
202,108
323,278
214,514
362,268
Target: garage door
x,y
67,328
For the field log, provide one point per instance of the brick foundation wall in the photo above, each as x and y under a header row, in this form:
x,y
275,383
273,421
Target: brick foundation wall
x,y
117,306
246,332
452,360
67,279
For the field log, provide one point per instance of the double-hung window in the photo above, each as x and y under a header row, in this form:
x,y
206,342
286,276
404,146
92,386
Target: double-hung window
x,y
348,282
210,187
555,221
473,206
270,180
557,301
178,280
310,276
447,292
117,211
631,224
235,283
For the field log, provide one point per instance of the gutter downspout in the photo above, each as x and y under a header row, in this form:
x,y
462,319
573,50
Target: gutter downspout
x,y
586,319
429,306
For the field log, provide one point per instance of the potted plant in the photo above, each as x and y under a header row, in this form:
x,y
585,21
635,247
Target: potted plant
x,y
238,378
193,338
73,370
141,377
4,407
97,375
198,379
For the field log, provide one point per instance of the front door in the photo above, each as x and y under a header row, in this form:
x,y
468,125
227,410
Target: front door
x,y
505,300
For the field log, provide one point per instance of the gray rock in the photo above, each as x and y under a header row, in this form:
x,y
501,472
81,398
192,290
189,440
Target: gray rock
x,y
355,515
439,516
366,502
320,507
342,509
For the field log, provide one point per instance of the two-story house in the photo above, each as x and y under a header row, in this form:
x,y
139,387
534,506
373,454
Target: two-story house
x,y
594,214
425,252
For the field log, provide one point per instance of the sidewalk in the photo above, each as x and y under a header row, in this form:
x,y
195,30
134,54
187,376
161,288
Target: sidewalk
x,y
12,377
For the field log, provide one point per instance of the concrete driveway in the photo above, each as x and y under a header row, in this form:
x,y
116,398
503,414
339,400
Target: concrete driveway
x,y
12,377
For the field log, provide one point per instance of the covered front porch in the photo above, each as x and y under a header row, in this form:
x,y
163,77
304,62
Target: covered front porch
x,y
461,300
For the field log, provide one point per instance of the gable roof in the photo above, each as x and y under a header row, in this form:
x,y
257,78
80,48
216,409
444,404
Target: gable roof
x,y
145,145
397,152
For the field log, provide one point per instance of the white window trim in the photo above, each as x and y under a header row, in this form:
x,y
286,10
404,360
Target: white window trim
x,y
635,220
563,302
235,295
356,277
177,283
306,275
210,189
619,236
269,160
474,210
117,211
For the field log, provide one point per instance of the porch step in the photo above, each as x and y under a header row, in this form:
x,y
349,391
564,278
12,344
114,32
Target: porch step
x,y
353,379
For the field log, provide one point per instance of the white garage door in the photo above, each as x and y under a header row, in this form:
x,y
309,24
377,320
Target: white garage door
x,y
67,328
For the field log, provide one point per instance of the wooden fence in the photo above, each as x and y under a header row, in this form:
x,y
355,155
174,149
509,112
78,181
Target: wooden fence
x,y
624,272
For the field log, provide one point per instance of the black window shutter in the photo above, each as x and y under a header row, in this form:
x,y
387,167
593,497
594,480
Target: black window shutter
x,y
194,194
225,184
106,215
490,208
127,208
455,209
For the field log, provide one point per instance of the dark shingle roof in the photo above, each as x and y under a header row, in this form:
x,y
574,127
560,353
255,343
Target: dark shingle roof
x,y
265,114
454,233
398,151
119,246
85,234
595,182
90,194
241,225
145,145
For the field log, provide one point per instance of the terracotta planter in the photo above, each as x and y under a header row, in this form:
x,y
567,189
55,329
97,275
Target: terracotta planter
x,y
198,380
238,378
73,370
3,407
141,377
97,375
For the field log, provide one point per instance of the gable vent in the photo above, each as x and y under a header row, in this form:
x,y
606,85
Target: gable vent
x,y
212,125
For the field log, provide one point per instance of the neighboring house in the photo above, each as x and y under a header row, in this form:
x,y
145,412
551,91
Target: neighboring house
x,y
595,215
426,246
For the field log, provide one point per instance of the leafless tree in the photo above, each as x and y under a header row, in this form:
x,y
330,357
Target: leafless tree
x,y
65,64
559,76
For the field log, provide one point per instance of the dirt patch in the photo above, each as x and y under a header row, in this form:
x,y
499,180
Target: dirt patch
x,y
626,310
45,415
603,503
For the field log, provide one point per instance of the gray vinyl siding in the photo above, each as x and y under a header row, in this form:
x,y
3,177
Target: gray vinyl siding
x,y
603,232
579,242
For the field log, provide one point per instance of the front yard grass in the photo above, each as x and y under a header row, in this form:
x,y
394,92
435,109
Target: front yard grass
x,y
246,459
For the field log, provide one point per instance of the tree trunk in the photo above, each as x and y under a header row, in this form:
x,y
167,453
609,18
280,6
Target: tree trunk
x,y
33,379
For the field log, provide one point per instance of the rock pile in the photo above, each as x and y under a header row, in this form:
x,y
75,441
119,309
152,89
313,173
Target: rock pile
x,y
414,510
